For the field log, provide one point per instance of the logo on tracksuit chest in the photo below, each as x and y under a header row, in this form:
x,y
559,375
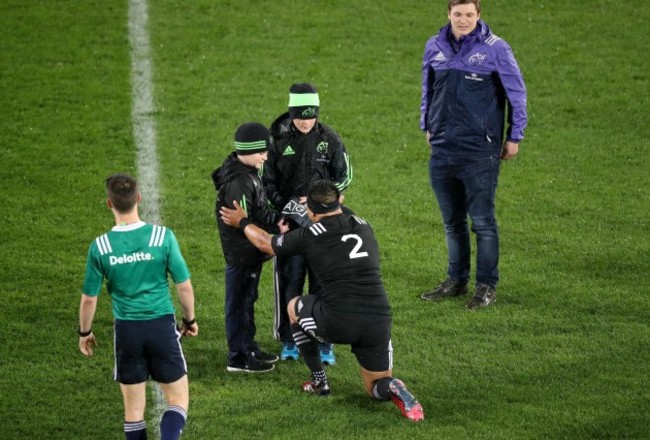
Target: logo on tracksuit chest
x,y
477,59
322,147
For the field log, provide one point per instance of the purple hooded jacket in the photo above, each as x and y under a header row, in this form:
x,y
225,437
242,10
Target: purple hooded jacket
x,y
465,93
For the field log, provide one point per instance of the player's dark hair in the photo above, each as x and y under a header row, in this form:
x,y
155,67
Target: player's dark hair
x,y
323,196
453,3
122,191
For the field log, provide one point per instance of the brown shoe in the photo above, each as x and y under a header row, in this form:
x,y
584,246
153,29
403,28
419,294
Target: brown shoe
x,y
447,289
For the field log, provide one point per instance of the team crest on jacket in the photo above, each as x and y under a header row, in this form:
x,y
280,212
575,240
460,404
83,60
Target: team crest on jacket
x,y
477,59
322,147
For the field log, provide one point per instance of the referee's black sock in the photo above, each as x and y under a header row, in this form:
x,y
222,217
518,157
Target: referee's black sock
x,y
308,348
380,390
135,430
172,423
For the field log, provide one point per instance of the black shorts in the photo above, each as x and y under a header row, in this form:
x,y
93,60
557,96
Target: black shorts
x,y
146,349
368,334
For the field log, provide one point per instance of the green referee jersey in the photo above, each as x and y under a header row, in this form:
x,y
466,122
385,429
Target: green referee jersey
x,y
136,260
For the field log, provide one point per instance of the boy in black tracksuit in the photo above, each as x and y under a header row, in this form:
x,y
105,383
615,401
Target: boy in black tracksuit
x,y
237,180
303,150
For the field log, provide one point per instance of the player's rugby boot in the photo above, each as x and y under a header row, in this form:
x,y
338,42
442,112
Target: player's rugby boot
x,y
405,401
320,388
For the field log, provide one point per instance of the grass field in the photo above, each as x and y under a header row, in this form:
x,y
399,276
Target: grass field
x,y
565,351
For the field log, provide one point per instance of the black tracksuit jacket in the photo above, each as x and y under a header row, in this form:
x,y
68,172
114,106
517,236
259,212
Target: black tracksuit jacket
x,y
236,181
296,160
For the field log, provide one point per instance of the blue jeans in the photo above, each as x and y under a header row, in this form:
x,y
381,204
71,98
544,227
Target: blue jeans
x,y
467,186
241,294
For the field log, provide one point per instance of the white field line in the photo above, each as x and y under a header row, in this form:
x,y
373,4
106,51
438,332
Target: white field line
x,y
144,132
142,115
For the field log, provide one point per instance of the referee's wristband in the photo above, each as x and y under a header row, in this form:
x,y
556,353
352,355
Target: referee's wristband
x,y
244,222
84,334
189,323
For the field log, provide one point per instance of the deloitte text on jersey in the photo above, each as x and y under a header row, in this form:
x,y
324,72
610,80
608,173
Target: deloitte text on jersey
x,y
134,257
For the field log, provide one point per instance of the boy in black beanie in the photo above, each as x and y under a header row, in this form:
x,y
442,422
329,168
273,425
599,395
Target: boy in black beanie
x,y
237,179
303,150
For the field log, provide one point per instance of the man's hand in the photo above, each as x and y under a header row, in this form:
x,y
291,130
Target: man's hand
x,y
232,217
509,150
284,226
86,344
189,330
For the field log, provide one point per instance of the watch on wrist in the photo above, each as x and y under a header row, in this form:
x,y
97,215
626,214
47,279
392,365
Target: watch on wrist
x,y
84,334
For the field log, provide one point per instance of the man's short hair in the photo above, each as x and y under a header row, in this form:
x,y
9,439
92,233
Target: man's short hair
x,y
453,3
122,191
323,196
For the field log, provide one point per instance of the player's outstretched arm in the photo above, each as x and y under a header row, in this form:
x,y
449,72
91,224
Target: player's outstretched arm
x,y
258,236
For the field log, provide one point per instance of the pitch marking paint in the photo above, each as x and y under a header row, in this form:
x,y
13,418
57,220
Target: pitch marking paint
x,y
144,132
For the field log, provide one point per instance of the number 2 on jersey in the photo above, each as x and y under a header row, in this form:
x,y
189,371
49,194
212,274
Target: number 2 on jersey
x,y
355,252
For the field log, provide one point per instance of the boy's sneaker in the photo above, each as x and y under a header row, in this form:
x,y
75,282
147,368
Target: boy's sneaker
x,y
250,365
447,289
327,354
263,356
483,297
289,351
407,404
320,388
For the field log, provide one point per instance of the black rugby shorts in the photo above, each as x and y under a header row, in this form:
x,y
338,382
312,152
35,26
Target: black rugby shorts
x,y
146,349
368,334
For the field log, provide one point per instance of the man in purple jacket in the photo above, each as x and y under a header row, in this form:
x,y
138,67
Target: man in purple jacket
x,y
469,76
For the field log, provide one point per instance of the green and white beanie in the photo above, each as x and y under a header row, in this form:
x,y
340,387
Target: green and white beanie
x,y
303,101
251,138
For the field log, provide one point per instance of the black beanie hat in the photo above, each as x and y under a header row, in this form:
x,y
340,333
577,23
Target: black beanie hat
x,y
303,101
251,138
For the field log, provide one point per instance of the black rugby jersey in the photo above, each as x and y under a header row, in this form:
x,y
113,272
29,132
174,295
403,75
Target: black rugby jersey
x,y
343,253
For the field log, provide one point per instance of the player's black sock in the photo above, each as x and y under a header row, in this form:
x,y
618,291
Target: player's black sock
x,y
319,376
135,430
380,390
308,348
172,423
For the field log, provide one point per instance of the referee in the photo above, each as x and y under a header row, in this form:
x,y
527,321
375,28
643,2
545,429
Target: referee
x,y
352,309
135,259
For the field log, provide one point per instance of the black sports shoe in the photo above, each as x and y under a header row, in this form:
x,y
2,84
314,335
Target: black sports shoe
x,y
320,388
250,365
263,356
447,289
483,297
